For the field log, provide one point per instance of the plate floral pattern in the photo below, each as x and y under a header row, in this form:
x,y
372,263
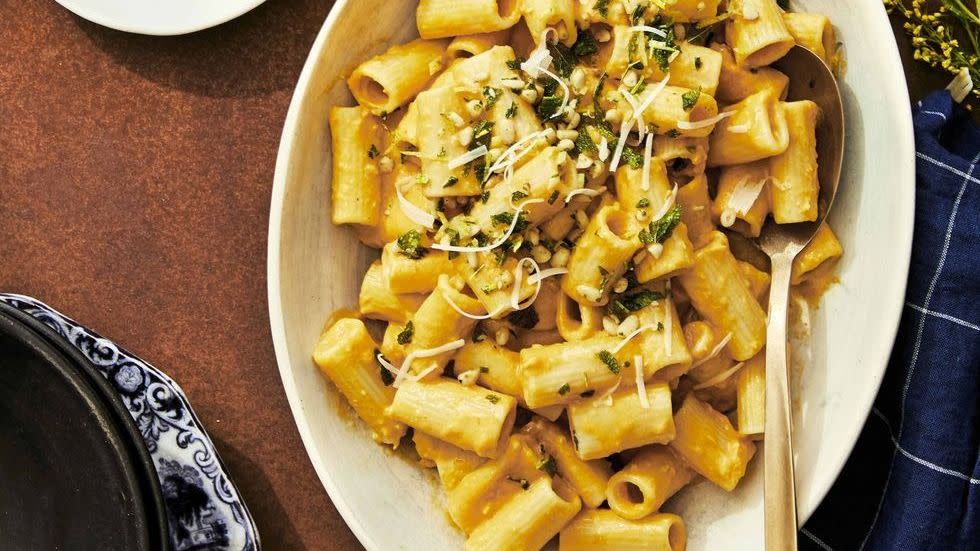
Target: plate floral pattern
x,y
204,509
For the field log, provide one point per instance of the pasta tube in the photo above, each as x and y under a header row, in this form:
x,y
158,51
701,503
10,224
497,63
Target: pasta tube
x,y
470,418
601,429
722,297
710,445
795,188
757,34
587,478
648,480
604,530
388,81
345,354
443,18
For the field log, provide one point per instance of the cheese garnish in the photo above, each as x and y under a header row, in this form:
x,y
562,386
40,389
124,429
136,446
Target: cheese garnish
x,y
714,351
687,125
647,154
641,384
720,378
467,157
413,212
620,144
424,353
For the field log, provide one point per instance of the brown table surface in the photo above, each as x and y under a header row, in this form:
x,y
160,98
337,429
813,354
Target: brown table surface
x,y
135,175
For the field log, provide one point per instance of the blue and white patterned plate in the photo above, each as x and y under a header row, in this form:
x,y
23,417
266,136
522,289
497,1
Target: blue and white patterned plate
x,y
204,509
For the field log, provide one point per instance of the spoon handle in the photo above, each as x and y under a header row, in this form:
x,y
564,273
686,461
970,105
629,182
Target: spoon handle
x,y
780,484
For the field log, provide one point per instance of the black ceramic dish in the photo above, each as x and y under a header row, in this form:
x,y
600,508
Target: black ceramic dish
x,y
74,472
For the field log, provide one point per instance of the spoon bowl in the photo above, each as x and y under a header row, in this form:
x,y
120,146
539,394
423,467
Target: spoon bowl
x,y
810,79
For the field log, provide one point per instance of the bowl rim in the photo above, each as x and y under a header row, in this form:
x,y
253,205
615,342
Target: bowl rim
x,y
905,155
82,9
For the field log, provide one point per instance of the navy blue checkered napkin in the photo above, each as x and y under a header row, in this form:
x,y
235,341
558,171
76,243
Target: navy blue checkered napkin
x,y
913,481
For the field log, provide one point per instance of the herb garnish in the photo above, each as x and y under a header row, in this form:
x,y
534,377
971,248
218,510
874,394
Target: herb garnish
x,y
602,6
563,389
373,152
585,44
623,306
452,181
607,358
491,95
553,197
690,98
410,244
659,230
643,203
511,111
492,398
405,337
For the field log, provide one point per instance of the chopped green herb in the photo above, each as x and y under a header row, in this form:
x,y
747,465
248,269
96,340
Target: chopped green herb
x,y
515,64
690,98
673,133
386,377
625,305
553,197
602,6
492,398
607,358
563,60
564,389
661,229
663,56
511,111
405,337
422,179
502,218
643,203
547,464
588,393
638,12
373,152
453,240
484,197
442,153
584,143
481,134
517,196
638,88
660,326
452,181
698,63
596,108
491,95
410,244
548,107
632,157
484,369
585,44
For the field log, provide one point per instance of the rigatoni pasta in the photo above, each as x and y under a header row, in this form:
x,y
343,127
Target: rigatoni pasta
x,y
563,194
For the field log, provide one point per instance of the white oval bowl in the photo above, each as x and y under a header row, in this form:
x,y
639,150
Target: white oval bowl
x,y
159,17
315,268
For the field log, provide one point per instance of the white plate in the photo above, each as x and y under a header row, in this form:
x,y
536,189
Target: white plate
x,y
159,17
315,268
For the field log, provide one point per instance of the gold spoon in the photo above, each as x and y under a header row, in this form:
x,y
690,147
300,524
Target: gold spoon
x,y
810,78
